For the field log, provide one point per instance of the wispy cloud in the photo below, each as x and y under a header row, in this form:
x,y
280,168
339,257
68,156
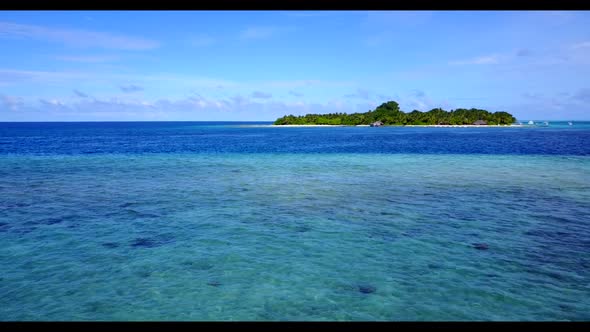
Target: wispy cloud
x,y
531,95
418,93
14,76
360,93
80,94
398,18
261,95
295,93
482,60
11,76
258,32
419,99
239,100
195,107
77,78
88,58
10,102
583,95
585,44
130,88
185,80
75,37
556,17
558,106
51,102
524,52
263,32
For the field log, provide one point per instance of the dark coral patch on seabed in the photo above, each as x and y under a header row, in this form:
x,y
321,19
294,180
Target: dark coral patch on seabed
x,y
480,246
144,242
367,289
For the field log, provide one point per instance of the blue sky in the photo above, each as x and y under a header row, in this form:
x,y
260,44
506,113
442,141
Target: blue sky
x,y
250,65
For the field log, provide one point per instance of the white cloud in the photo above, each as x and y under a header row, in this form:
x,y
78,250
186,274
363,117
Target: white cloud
x,y
81,78
88,58
418,99
52,102
482,60
75,37
10,102
196,107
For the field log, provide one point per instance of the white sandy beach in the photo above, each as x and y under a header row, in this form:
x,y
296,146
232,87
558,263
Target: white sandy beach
x,y
434,126
462,126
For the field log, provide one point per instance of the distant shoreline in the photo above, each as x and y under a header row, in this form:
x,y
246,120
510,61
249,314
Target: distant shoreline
x,y
436,126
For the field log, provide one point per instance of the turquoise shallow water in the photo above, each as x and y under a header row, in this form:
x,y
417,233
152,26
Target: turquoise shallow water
x,y
287,236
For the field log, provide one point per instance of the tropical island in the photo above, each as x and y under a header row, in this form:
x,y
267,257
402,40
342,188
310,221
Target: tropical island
x,y
389,114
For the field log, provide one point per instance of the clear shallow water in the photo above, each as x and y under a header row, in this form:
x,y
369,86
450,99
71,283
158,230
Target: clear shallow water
x,y
158,224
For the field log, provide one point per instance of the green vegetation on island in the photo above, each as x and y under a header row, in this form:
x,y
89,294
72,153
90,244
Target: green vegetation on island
x,y
389,114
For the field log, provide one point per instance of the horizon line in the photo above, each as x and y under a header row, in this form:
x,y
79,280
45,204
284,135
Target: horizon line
x,y
84,121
